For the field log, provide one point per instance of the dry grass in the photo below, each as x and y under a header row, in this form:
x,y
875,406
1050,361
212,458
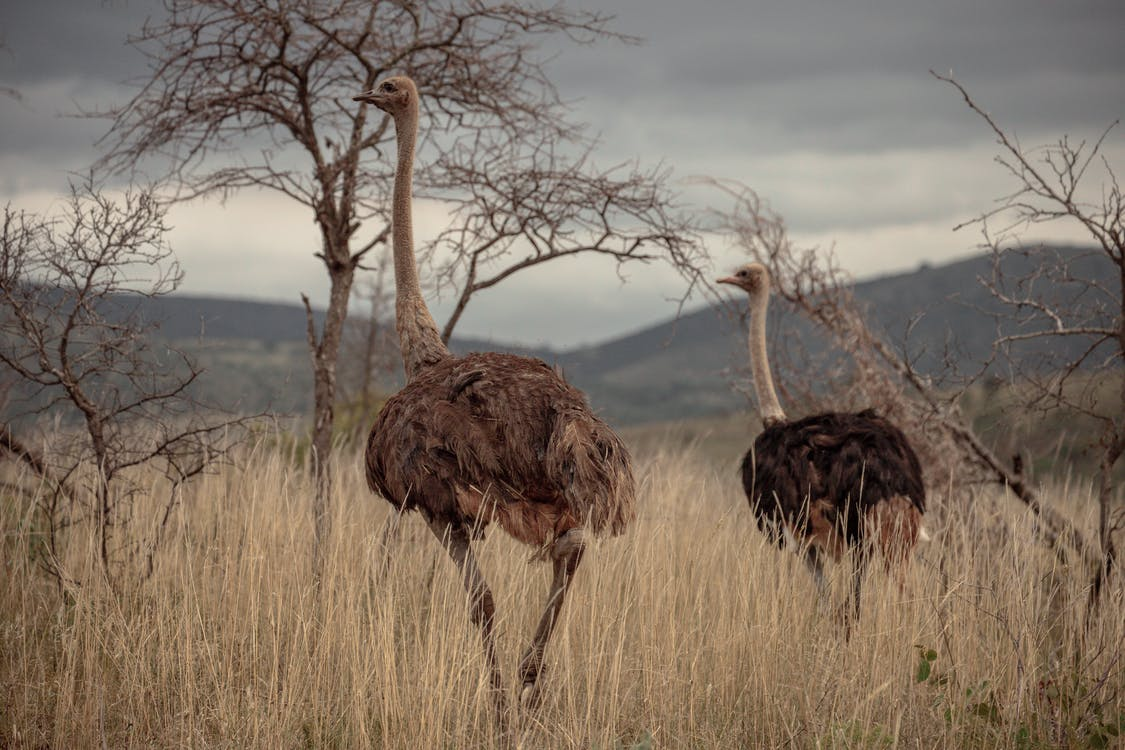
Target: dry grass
x,y
688,632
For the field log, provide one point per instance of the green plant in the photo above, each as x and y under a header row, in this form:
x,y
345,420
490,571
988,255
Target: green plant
x,y
1074,714
976,706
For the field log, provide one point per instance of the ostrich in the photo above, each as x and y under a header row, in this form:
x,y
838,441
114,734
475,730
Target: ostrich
x,y
830,481
488,437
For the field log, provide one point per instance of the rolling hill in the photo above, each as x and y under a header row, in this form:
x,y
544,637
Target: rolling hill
x,y
256,357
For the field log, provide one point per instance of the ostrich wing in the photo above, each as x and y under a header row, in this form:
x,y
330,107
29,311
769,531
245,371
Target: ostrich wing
x,y
854,461
496,431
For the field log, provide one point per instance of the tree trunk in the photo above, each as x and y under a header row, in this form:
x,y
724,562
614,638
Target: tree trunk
x,y
104,522
102,495
1113,448
1110,455
325,351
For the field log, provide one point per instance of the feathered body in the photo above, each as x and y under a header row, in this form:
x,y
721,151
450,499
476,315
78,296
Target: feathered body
x,y
831,480
487,437
497,437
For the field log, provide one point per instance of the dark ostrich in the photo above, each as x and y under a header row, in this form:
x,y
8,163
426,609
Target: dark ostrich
x,y
488,437
829,482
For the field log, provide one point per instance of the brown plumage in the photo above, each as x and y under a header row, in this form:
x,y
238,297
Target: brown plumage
x,y
828,482
488,438
496,437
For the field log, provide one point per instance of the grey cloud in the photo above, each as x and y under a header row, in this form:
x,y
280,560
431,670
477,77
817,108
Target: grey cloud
x,y
826,72
719,43
762,75
42,141
826,107
49,39
841,113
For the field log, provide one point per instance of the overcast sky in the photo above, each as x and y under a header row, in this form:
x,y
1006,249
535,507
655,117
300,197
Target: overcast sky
x,y
826,108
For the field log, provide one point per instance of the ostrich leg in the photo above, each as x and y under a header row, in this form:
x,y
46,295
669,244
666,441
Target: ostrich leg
x,y
850,615
482,610
816,567
566,553
862,553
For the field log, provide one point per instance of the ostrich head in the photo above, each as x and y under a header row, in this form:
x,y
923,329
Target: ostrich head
x,y
752,277
394,95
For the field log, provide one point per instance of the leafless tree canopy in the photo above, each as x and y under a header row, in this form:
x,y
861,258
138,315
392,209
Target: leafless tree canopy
x,y
1060,297
519,205
72,336
66,286
236,84
245,93
1053,302
1064,297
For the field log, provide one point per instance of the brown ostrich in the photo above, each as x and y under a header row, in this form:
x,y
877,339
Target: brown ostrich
x,y
488,437
828,482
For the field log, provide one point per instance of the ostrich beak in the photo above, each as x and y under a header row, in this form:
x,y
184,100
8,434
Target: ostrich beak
x,y
727,280
368,97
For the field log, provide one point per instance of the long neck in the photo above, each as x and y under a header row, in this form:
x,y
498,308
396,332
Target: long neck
x,y
768,404
418,336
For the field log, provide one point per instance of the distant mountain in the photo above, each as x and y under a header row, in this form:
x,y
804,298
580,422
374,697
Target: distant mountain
x,y
682,368
209,318
256,355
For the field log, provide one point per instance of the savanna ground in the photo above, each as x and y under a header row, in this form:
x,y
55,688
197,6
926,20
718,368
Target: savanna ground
x,y
688,632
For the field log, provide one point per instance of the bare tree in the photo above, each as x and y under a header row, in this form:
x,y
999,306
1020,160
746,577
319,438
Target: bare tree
x,y
75,333
1062,298
251,94
519,205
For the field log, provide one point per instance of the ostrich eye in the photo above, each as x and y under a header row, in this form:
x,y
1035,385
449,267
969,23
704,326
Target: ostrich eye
x,y
742,273
388,87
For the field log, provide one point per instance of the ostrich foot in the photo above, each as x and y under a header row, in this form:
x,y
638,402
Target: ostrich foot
x,y
531,696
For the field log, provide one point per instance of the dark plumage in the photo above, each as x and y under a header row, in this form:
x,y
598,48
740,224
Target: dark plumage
x,y
496,437
828,482
842,465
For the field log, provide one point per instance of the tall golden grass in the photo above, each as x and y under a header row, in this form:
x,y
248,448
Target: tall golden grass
x,y
688,632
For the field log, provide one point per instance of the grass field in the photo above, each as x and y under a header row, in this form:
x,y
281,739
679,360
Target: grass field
x,y
687,632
